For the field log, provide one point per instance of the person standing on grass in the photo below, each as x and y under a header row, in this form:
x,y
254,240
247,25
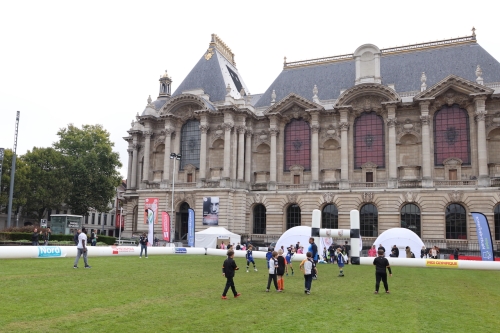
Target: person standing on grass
x,y
308,267
228,268
372,252
289,254
341,259
249,257
455,253
313,248
81,248
143,240
34,237
75,237
282,268
273,266
381,264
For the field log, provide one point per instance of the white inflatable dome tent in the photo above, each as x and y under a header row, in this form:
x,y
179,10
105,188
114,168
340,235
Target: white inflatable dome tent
x,y
401,237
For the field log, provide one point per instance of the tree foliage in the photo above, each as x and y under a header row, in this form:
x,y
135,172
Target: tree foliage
x,y
91,167
47,181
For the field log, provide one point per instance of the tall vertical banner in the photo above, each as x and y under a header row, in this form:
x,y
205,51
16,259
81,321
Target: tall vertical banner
x,y
483,236
190,227
151,217
165,226
211,211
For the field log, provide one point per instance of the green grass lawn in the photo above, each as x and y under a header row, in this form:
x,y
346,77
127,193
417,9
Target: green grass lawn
x,y
181,293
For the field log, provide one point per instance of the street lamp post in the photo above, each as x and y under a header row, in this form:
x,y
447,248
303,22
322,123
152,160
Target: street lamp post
x,y
173,156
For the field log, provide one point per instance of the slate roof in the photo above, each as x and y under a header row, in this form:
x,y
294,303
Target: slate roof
x,y
402,69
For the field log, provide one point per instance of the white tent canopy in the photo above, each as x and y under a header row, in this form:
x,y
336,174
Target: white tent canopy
x,y
401,237
208,237
301,234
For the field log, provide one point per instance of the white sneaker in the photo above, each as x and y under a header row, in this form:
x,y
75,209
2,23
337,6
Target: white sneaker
x,y
255,269
247,270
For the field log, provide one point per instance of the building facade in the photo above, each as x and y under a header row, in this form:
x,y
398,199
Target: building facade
x,y
409,136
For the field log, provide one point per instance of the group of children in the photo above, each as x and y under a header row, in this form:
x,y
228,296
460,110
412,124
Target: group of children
x,y
278,266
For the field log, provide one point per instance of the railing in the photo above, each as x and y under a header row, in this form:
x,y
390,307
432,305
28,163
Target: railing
x,y
409,93
495,182
453,183
185,185
329,186
259,187
291,186
409,183
153,186
211,183
366,185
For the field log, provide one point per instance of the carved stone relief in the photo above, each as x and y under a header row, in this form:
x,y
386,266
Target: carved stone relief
x,y
456,196
451,97
292,198
409,126
368,197
328,197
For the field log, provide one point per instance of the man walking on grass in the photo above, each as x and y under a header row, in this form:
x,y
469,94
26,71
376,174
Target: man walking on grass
x,y
81,248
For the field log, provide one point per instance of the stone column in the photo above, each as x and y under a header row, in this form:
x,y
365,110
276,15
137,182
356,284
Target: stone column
x,y
147,148
166,158
344,155
248,157
135,148
130,161
426,145
315,154
241,152
227,149
391,125
272,177
482,154
203,151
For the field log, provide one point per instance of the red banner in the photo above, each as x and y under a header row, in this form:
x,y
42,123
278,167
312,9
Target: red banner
x,y
120,221
165,226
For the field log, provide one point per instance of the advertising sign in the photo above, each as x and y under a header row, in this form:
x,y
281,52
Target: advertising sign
x,y
165,226
211,211
151,217
483,236
190,227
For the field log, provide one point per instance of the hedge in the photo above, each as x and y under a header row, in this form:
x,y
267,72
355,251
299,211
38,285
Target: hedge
x,y
15,236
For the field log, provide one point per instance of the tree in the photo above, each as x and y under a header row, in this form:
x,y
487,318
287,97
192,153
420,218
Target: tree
x,y
47,180
20,183
91,167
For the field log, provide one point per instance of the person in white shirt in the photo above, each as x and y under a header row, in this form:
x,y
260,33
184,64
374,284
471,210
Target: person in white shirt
x,y
81,249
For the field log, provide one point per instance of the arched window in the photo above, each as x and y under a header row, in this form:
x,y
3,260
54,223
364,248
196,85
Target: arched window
x,y
259,219
190,144
451,134
330,217
292,216
410,218
497,222
297,144
456,222
369,142
368,221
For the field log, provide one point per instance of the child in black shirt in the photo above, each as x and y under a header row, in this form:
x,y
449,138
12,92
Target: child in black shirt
x,y
381,263
228,269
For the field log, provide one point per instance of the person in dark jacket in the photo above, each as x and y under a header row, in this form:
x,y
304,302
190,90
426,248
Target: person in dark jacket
x,y
394,252
34,237
228,269
381,264
455,253
75,237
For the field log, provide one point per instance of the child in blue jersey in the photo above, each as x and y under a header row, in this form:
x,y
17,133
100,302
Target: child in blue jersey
x,y
249,257
269,255
290,252
340,261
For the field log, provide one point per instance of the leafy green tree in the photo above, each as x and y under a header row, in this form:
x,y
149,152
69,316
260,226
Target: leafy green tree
x,y
20,182
47,180
91,167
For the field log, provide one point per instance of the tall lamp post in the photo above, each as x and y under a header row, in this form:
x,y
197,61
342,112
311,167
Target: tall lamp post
x,y
173,156
2,152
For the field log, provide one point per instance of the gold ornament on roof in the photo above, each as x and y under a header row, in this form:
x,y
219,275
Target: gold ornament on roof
x,y
210,53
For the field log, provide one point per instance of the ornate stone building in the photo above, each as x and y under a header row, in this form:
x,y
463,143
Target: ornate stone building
x,y
410,136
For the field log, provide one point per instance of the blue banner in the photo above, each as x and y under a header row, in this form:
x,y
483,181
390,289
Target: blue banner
x,y
190,227
483,236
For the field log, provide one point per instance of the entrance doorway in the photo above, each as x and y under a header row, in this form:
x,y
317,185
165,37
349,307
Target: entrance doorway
x,y
181,222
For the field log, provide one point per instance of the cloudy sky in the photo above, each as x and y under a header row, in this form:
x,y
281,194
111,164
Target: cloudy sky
x,y
96,62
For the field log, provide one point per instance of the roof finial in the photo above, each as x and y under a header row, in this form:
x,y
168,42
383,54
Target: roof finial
x,y
248,98
284,61
273,97
149,100
479,74
228,90
242,93
473,31
315,94
423,79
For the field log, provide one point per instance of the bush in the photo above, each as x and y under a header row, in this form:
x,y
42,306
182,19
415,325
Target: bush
x,y
106,239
